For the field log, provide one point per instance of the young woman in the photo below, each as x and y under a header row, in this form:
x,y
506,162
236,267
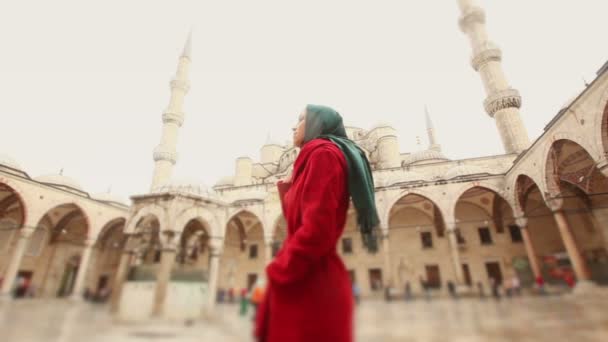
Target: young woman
x,y
309,292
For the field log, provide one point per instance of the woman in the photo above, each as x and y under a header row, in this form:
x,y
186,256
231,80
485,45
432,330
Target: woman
x,y
309,294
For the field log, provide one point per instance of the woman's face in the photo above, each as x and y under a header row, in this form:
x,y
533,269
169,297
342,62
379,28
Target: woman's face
x,y
299,130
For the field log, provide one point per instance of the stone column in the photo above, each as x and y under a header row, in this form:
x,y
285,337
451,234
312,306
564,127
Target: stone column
x,y
162,280
455,255
578,262
121,275
386,252
214,268
13,267
522,223
82,270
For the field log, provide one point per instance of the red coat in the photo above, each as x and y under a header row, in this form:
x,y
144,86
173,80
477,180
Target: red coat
x,y
309,293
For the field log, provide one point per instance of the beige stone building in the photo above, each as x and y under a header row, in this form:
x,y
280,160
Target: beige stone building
x,y
538,209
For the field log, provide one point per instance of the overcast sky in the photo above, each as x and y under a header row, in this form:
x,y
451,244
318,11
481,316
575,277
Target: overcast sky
x,y
83,84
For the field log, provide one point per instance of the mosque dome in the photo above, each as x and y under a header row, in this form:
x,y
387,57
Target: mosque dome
x,y
108,197
185,187
61,181
464,170
9,162
423,156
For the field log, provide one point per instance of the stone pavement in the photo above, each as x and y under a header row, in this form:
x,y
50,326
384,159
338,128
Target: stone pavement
x,y
563,318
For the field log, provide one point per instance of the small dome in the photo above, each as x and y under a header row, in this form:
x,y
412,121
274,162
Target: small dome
x,y
108,197
425,155
185,187
464,170
60,181
228,180
10,162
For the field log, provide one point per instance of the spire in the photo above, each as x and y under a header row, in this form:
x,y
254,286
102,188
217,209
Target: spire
x,y
502,102
187,52
165,154
429,123
430,129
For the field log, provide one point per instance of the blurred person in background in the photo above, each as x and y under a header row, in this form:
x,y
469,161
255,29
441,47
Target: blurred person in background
x,y
257,295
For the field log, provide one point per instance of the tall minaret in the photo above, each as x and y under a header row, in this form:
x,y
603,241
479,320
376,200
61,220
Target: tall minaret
x,y
430,130
165,154
502,102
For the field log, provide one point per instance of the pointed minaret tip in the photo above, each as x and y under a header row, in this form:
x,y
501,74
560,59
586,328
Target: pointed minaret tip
x,y
187,52
429,123
433,144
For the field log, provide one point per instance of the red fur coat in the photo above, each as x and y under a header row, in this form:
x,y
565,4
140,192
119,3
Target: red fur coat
x,y
309,295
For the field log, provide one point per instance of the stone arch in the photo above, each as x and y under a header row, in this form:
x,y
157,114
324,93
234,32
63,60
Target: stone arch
x,y
523,185
63,229
204,216
257,214
601,125
437,217
279,234
395,198
6,184
195,236
78,207
484,185
109,245
110,226
493,209
244,247
160,213
576,168
548,183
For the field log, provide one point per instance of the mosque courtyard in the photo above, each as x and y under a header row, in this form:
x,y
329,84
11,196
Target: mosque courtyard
x,y
551,318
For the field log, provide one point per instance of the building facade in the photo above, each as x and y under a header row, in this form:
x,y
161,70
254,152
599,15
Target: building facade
x,y
539,209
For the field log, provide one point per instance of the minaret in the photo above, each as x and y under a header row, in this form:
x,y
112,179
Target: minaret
x,y
430,130
502,102
165,154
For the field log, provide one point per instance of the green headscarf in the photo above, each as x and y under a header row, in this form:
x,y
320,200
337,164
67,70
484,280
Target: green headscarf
x,y
324,122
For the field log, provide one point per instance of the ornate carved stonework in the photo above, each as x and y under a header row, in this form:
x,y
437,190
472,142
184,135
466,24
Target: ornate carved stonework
x,y
475,15
163,153
508,98
177,118
490,54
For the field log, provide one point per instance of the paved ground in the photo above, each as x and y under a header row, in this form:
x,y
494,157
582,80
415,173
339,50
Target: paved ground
x,y
565,318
